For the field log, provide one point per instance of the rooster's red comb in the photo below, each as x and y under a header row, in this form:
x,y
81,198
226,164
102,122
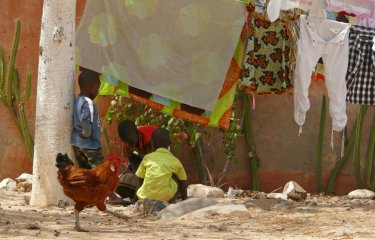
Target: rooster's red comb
x,y
113,157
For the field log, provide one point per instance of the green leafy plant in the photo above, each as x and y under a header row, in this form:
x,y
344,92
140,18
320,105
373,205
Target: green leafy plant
x,y
10,90
184,134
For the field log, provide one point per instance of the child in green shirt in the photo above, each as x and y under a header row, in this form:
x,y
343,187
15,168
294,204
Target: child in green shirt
x,y
159,169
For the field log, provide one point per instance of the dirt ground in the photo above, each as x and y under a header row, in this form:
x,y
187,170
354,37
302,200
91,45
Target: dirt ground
x,y
319,217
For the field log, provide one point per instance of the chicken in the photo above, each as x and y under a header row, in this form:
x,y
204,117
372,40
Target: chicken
x,y
88,186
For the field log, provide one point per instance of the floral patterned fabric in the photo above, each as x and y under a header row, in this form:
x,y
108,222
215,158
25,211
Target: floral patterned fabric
x,y
267,63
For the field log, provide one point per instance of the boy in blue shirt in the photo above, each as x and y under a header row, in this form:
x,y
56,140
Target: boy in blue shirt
x,y
86,135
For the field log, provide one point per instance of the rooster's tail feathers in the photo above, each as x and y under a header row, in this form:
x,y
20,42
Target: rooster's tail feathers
x,y
63,162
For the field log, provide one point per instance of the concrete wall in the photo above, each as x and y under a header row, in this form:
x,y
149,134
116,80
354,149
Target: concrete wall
x,y
283,154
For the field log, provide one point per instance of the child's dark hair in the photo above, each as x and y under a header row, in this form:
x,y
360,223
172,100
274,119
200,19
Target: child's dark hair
x,y
160,138
87,76
127,132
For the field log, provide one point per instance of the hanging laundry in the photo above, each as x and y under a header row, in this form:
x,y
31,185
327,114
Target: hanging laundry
x,y
267,62
360,78
366,22
330,40
176,49
315,7
361,8
220,116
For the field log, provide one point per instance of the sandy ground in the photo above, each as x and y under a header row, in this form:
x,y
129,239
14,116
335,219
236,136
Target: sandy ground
x,y
318,218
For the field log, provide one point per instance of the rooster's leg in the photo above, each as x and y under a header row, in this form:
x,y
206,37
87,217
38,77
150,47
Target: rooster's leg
x,y
119,215
78,226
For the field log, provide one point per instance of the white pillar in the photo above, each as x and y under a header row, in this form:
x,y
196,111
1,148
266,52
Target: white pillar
x,y
55,99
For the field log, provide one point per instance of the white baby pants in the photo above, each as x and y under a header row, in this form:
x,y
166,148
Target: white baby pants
x,y
330,40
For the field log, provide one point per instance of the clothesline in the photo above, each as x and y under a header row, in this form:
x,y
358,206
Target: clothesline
x,y
363,10
349,78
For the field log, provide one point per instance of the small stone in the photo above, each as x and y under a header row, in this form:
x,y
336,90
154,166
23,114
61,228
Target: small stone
x,y
277,196
294,191
33,226
151,206
57,233
24,177
220,228
8,184
230,193
361,194
203,191
24,186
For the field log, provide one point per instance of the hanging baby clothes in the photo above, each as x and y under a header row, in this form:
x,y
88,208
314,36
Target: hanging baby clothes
x,y
361,8
315,7
366,22
360,78
266,69
330,40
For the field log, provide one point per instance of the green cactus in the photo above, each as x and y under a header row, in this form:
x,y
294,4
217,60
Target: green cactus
x,y
347,151
10,70
10,92
1,70
370,156
254,160
357,147
319,155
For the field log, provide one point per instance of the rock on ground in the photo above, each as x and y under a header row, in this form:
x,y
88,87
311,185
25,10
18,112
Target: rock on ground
x,y
294,191
361,194
24,177
230,210
278,196
150,206
177,210
203,191
8,184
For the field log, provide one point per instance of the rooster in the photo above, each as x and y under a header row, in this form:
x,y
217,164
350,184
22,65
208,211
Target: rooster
x,y
88,186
